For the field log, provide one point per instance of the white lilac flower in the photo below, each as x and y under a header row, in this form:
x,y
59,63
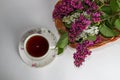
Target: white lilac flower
x,y
66,19
92,30
71,18
76,15
89,31
83,35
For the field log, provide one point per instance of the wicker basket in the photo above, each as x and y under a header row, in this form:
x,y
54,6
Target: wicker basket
x,y
61,26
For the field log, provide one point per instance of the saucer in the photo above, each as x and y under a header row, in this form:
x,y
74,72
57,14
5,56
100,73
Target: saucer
x,y
51,54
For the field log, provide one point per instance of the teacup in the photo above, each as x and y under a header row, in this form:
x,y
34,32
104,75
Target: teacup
x,y
37,47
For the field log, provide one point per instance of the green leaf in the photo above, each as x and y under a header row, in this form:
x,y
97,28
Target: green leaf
x,y
92,38
60,50
118,2
62,43
114,5
61,32
107,10
116,32
79,11
117,24
106,31
67,25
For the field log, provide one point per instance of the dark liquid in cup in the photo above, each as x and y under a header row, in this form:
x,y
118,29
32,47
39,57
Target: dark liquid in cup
x,y
37,46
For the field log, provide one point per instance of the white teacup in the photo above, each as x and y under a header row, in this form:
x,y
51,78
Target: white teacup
x,y
34,51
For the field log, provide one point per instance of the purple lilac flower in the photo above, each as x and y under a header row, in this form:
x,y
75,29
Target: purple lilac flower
x,y
66,1
90,43
74,31
62,9
89,11
92,6
81,53
77,27
88,2
98,39
96,17
77,4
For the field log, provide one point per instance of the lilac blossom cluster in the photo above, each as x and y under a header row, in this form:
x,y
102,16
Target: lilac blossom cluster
x,y
77,4
64,8
83,51
81,54
77,27
96,17
91,6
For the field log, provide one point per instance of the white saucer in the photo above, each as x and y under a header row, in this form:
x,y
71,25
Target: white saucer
x,y
52,52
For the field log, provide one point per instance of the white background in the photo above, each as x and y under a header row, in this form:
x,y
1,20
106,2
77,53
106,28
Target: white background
x,y
18,16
